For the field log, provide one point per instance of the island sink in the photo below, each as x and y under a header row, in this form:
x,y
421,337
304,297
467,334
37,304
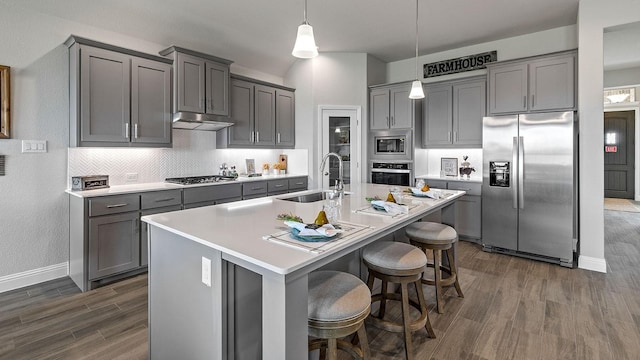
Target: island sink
x,y
309,198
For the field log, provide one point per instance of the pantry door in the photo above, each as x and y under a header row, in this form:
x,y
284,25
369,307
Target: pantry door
x,y
340,134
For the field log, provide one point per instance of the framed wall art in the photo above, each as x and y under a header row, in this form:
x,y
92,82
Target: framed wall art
x,y
449,166
5,101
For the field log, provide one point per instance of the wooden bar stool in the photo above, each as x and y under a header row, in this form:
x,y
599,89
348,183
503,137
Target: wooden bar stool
x,y
437,238
398,263
338,304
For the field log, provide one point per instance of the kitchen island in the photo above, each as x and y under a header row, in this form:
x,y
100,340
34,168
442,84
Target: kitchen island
x,y
196,297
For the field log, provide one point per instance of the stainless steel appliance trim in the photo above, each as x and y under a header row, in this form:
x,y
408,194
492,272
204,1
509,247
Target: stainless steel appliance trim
x,y
407,155
393,171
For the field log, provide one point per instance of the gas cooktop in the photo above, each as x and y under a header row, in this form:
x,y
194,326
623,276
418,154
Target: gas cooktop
x,y
190,180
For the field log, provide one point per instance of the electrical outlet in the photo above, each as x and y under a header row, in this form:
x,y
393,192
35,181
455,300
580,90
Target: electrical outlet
x,y
132,177
206,271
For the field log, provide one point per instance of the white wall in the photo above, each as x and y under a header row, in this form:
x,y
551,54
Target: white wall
x,y
622,77
593,17
328,79
543,42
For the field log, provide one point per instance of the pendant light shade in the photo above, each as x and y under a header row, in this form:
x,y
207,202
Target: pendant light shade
x,y
416,90
416,86
305,46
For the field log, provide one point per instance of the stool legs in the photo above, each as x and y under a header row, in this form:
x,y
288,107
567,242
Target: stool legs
x,y
437,264
454,272
438,268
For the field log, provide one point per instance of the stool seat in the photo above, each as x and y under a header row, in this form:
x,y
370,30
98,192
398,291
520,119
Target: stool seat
x,y
338,304
337,296
431,233
394,256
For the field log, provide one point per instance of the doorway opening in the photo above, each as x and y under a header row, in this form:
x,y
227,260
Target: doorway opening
x,y
341,134
619,154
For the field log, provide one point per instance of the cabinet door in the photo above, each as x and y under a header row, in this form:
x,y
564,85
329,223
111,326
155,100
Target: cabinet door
x,y
242,112
114,244
265,115
379,103
436,129
190,83
217,89
551,84
468,217
285,119
150,102
508,89
469,107
401,108
104,95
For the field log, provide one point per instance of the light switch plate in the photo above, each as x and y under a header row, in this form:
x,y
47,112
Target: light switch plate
x,y
34,146
206,271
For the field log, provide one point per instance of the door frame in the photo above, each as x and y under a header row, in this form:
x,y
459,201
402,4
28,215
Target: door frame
x,y
636,171
352,111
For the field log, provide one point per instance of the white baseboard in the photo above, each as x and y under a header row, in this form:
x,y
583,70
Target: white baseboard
x,y
593,264
35,276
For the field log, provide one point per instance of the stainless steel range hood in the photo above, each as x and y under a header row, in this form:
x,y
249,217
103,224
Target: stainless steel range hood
x,y
196,121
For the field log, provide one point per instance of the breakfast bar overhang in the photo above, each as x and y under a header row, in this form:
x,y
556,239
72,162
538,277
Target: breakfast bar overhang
x,y
192,292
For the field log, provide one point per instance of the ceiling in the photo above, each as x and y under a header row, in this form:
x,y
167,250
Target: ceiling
x,y
259,34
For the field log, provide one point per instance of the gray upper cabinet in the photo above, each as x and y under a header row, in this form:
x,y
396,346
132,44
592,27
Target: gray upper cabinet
x,y
453,113
150,102
391,108
201,82
118,97
263,116
545,83
285,119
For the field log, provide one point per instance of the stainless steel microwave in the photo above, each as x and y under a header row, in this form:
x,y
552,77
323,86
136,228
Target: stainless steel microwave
x,y
391,145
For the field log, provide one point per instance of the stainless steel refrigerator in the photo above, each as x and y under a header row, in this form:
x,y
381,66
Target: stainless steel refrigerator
x,y
528,186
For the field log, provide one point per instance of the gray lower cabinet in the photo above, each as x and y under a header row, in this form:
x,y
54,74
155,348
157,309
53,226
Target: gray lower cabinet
x,y
194,197
542,83
254,189
263,116
154,203
453,113
114,244
277,187
468,214
118,97
298,184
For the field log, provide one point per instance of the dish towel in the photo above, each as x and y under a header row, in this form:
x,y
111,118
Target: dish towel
x,y
326,230
391,208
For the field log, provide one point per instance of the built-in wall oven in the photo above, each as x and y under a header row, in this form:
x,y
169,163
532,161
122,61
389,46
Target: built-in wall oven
x,y
392,173
391,145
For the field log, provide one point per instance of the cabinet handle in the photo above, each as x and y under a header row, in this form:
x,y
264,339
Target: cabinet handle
x,y
278,138
393,121
164,200
279,185
116,206
260,188
126,130
533,100
388,123
455,135
524,102
257,136
135,130
299,183
251,137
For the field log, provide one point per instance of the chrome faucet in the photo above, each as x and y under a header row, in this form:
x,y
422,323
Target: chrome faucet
x,y
339,183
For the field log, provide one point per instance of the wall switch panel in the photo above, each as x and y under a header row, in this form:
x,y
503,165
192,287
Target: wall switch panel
x,y
132,177
34,146
206,271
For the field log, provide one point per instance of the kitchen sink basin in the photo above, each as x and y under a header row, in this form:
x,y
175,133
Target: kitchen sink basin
x,y
309,198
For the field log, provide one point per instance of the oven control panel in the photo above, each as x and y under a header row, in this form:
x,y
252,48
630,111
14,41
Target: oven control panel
x,y
391,166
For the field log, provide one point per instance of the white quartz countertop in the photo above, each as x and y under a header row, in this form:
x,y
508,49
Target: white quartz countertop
x,y
472,179
157,186
239,229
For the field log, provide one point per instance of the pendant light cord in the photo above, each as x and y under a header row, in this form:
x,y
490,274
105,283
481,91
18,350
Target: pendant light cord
x,y
305,12
416,38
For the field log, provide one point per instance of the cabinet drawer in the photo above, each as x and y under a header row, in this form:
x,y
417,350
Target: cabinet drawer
x,y
211,193
277,186
114,204
436,184
156,199
298,183
470,188
254,188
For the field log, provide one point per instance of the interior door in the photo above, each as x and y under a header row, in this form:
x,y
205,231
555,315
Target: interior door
x,y
619,159
340,129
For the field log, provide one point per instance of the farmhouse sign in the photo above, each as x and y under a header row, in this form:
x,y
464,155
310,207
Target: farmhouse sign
x,y
462,64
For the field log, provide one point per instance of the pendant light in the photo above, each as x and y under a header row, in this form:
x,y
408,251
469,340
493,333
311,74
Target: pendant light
x,y
305,46
416,86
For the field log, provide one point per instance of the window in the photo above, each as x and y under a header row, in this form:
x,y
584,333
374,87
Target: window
x,y
621,95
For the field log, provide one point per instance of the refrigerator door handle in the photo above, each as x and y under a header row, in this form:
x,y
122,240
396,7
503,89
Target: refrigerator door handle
x,y
514,164
521,173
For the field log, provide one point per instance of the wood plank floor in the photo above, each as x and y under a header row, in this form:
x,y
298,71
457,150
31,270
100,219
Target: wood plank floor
x,y
513,309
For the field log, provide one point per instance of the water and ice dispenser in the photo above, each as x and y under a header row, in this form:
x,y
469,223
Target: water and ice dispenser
x,y
499,172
